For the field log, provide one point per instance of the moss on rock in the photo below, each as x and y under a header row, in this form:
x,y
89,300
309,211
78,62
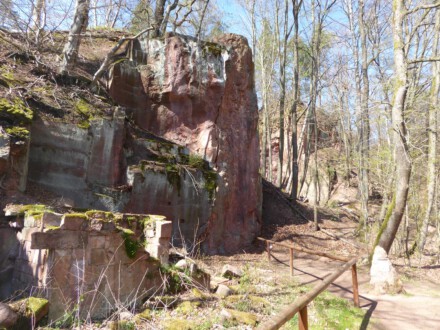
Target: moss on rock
x,y
178,324
188,307
243,317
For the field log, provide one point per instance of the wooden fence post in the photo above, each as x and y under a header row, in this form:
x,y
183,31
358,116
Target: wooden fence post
x,y
268,250
355,285
291,262
302,319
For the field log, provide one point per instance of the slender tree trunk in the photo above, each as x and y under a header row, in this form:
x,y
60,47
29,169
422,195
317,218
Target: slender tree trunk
x,y
199,29
316,52
79,26
294,116
38,19
432,136
158,18
364,122
402,160
283,59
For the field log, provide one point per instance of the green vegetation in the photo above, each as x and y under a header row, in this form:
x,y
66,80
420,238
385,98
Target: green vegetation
x,y
86,111
196,161
188,307
122,325
36,306
131,245
7,77
210,183
212,48
336,313
173,175
176,280
18,115
34,209
178,324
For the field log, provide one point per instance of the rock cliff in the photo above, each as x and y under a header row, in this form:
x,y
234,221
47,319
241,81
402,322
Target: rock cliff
x,y
181,142
201,96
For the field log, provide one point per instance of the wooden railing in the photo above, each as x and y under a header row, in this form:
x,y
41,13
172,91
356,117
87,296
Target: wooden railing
x,y
300,304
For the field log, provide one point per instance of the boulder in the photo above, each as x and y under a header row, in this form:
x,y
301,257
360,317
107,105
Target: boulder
x,y
223,291
230,272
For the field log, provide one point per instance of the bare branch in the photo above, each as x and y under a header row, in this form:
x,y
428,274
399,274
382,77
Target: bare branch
x,y
422,7
426,59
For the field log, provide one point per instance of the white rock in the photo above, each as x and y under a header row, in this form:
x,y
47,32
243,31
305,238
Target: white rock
x,y
182,264
125,316
223,291
383,276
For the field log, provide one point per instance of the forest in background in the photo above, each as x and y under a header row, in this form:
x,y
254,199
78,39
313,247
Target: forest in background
x,y
369,67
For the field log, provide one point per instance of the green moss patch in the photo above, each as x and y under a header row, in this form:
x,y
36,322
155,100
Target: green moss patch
x,y
16,117
210,178
188,307
85,109
212,48
178,324
34,209
145,315
243,317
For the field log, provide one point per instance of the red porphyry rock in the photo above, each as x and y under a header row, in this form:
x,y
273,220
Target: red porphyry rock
x,y
201,96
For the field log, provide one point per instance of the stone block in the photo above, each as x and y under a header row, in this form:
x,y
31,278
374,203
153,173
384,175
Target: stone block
x,y
164,241
74,222
62,240
164,228
51,219
98,257
100,225
96,241
159,252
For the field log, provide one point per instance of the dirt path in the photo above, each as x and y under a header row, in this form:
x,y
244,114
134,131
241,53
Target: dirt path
x,y
418,308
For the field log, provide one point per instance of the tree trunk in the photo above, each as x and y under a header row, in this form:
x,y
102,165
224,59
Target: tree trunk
x,y
293,112
402,160
283,59
364,122
79,26
432,137
158,18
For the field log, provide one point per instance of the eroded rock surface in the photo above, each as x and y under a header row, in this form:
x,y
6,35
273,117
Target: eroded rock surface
x,y
201,96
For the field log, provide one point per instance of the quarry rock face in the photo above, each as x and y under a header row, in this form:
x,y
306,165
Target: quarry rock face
x,y
201,96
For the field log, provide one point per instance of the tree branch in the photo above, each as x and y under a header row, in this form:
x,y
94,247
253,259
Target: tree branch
x,y
426,59
434,5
